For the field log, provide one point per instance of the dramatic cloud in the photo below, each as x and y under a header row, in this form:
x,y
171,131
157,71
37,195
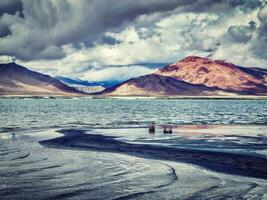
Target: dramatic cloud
x,y
96,38
241,33
10,6
260,43
49,24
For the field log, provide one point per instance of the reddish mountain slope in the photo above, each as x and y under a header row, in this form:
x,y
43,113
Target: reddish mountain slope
x,y
156,85
196,76
18,80
221,74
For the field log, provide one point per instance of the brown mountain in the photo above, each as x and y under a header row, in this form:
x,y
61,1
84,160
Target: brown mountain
x,y
156,85
196,76
218,73
18,80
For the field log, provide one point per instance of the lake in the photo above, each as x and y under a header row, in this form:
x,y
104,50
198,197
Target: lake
x,y
117,113
101,149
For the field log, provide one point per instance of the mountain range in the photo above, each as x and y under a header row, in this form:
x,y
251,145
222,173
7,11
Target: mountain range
x,y
198,76
191,76
86,86
82,85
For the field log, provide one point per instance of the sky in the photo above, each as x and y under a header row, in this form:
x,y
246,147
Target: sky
x,y
102,40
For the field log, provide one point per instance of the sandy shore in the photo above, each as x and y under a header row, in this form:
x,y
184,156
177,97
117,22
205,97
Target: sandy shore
x,y
222,162
78,163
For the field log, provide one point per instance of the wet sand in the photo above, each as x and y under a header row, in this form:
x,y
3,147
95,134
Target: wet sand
x,y
113,164
231,163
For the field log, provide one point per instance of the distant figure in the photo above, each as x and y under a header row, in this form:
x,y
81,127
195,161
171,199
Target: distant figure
x,y
152,129
167,130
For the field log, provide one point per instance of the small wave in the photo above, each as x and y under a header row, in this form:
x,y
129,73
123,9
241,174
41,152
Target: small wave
x,y
21,157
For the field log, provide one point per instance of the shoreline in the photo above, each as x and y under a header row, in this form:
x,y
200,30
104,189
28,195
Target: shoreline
x,y
78,173
228,163
238,97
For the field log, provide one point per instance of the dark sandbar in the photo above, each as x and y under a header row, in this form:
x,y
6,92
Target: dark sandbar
x,y
230,163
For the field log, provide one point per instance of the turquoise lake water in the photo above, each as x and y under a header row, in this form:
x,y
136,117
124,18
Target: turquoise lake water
x,y
117,113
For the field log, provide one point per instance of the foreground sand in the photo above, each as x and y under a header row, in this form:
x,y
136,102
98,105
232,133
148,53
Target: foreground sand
x,y
73,163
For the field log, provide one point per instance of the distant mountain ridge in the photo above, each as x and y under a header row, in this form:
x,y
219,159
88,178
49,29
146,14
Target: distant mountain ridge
x,y
196,76
18,80
86,86
72,81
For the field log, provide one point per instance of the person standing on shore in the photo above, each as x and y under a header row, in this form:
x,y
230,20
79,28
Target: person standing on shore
x,y
152,129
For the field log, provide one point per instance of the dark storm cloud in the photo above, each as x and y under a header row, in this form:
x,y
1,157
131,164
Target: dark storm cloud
x,y
37,29
4,30
221,5
56,23
260,43
241,33
10,6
